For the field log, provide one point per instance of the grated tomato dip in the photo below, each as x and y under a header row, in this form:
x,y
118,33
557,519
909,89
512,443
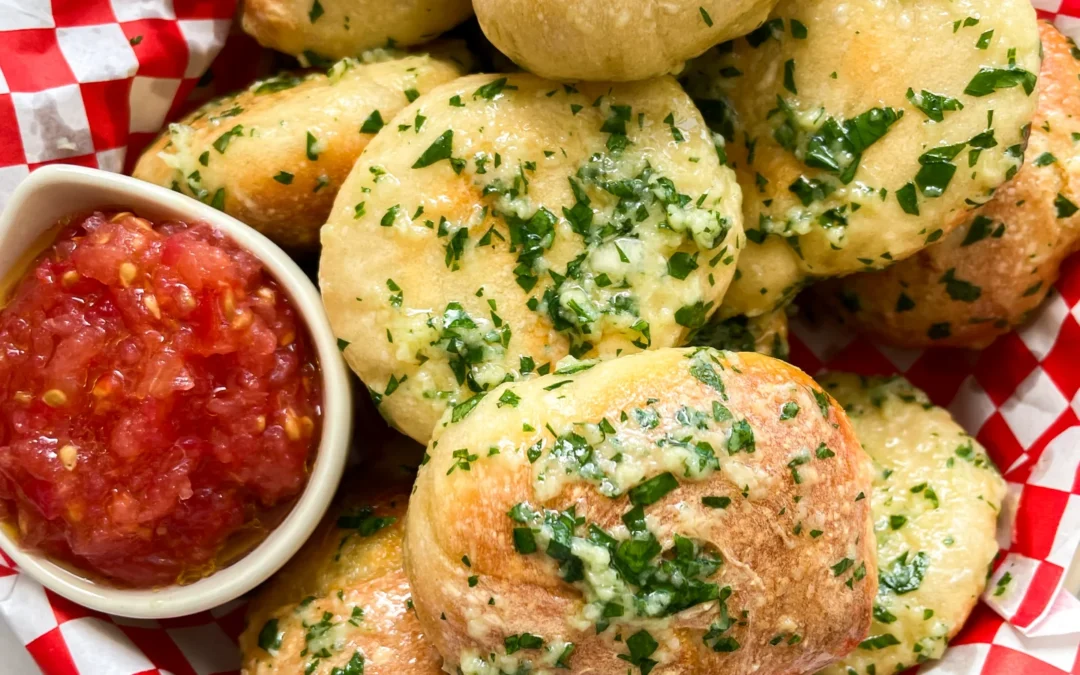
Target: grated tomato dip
x,y
158,399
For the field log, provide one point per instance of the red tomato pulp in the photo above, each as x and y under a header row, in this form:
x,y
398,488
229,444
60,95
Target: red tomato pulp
x,y
158,395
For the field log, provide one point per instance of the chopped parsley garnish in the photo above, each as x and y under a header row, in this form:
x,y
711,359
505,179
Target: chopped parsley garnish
x,y
564,658
937,169
462,410
879,642
509,398
988,80
373,123
463,460
837,145
742,438
524,540
222,141
676,132
908,199
493,89
390,216
615,125
270,637
284,177
905,575
642,645
939,331
514,643
883,615
355,666
789,76
822,400
842,566
999,588
981,228
693,316
439,150
1066,208
277,83
810,190
959,289
904,303
364,521
703,371
933,105
653,490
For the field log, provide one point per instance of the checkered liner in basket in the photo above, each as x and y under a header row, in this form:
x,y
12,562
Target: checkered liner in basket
x,y
90,82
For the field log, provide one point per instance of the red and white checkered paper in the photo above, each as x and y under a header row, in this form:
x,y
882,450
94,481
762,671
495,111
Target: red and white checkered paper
x,y
90,82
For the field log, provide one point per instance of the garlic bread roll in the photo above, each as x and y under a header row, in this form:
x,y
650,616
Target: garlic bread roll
x,y
935,506
315,30
502,222
620,40
986,277
684,511
275,154
343,601
864,130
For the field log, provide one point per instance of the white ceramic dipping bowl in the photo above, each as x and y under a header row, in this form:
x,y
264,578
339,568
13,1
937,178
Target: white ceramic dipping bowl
x,y
54,192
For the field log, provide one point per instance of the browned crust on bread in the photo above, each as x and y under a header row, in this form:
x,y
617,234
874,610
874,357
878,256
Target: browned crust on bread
x,y
339,569
787,580
958,295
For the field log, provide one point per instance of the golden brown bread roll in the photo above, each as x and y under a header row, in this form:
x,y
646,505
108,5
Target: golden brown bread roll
x,y
343,601
317,30
986,277
275,154
619,40
503,222
693,510
864,130
935,506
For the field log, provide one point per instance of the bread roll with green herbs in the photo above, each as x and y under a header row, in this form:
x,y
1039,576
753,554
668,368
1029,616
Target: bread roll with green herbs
x,y
620,40
343,603
503,222
317,31
677,511
275,155
935,505
864,130
989,275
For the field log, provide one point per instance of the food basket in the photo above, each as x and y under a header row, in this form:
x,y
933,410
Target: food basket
x,y
92,82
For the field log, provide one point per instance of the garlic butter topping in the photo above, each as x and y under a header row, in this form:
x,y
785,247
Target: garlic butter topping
x,y
863,130
501,223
